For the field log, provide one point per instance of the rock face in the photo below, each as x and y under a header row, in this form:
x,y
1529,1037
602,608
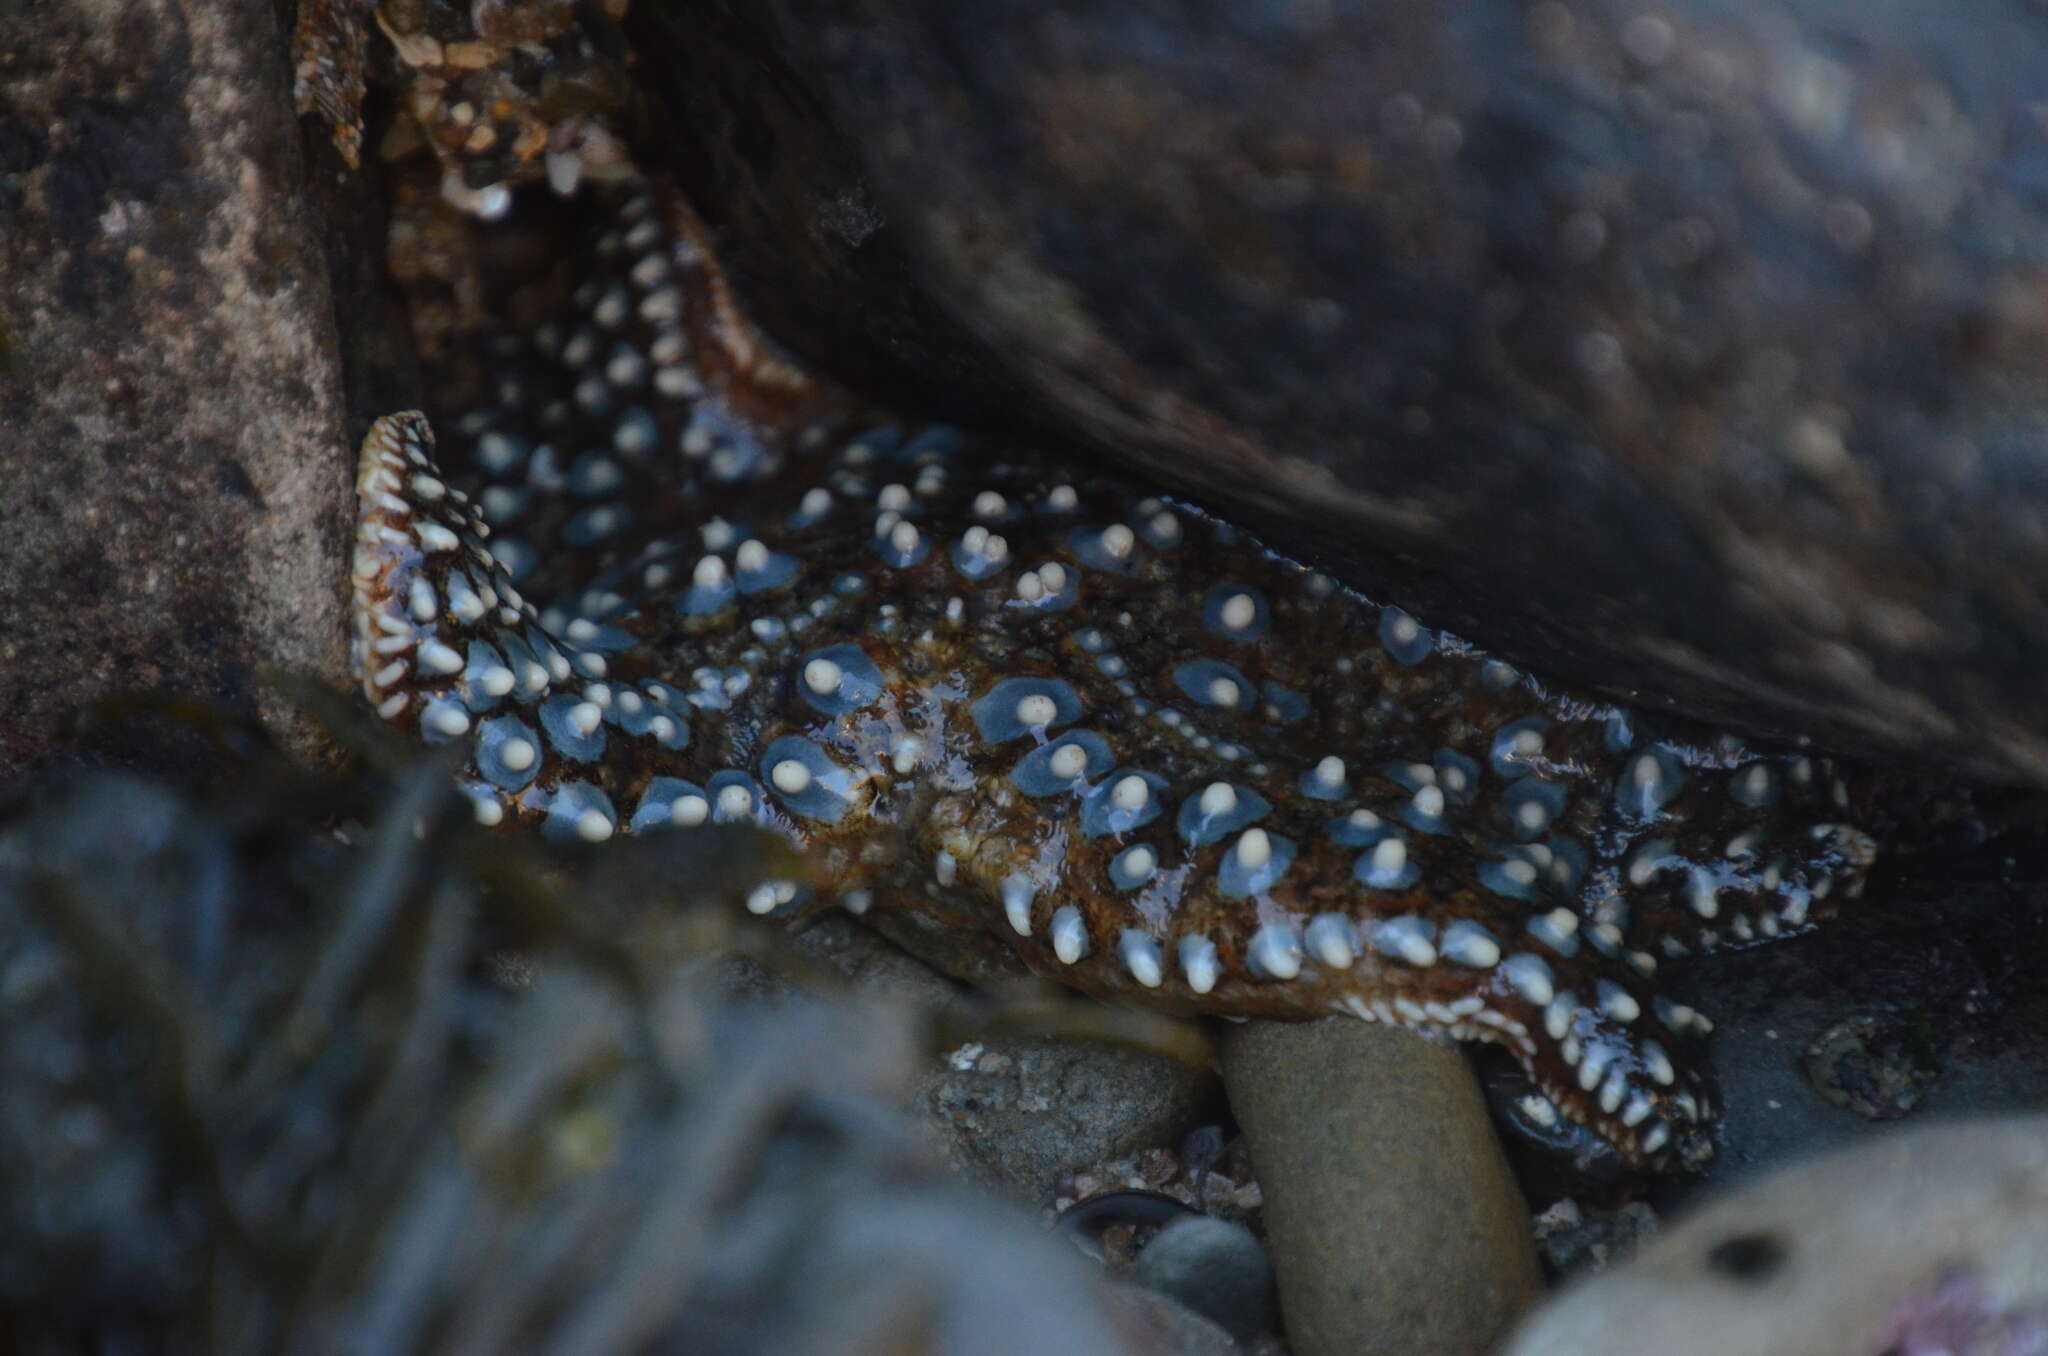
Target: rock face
x,y
1693,351
1393,1221
173,486
1934,1239
1923,1004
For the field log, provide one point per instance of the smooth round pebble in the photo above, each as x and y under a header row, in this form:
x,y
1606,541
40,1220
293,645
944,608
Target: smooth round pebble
x,y
1215,1267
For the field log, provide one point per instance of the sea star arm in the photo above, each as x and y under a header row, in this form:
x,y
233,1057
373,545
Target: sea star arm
x,y
1164,762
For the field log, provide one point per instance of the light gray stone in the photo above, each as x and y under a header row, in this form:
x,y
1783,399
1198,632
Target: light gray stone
x,y
1929,1239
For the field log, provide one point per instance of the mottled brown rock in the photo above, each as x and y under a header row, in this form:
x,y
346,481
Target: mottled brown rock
x,y
1394,1222
1695,351
173,484
1930,1239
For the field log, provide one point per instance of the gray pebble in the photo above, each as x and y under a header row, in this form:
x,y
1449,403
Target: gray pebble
x,y
1215,1267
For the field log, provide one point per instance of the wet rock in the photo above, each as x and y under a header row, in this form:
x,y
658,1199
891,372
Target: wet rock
x,y
1214,1267
1694,352
1937,969
173,440
1573,1237
1924,1240
1393,1221
1876,1065
1021,1113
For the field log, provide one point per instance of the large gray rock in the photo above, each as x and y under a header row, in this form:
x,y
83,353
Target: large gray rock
x,y
174,477
1394,1222
1693,350
1928,1240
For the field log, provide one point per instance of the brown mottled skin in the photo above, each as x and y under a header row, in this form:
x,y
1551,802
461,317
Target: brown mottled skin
x,y
1646,840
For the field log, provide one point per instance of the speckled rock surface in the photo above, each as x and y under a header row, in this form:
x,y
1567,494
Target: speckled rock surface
x,y
1019,1113
1930,1239
173,481
1693,350
1393,1221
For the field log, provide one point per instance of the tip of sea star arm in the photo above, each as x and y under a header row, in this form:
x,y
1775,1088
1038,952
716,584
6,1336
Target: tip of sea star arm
x,y
447,649
1621,1062
425,587
418,553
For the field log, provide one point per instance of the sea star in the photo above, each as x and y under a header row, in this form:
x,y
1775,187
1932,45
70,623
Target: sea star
x,y
1167,763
